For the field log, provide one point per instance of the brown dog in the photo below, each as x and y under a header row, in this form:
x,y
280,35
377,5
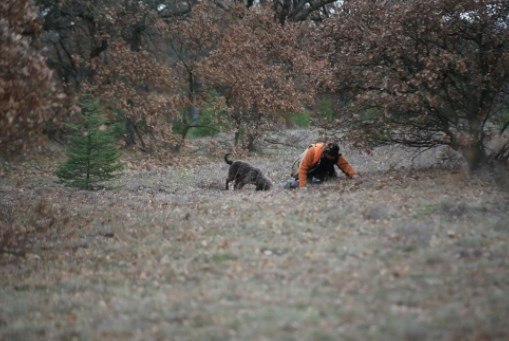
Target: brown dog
x,y
242,173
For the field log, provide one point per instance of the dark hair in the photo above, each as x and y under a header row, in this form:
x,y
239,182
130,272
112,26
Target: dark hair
x,y
332,149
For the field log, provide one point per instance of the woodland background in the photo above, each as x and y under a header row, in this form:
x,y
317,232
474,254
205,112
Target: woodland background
x,y
415,92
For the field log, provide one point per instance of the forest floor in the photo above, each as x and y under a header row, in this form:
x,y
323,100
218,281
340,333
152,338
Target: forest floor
x,y
417,249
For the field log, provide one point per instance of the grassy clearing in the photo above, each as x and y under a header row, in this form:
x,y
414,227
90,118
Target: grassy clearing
x,y
168,254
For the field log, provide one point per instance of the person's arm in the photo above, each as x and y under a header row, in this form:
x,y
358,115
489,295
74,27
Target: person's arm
x,y
346,167
306,163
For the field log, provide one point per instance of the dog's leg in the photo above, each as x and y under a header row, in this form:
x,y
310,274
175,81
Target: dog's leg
x,y
239,184
228,180
236,185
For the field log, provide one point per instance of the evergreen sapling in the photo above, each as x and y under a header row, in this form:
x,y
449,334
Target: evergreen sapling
x,y
92,157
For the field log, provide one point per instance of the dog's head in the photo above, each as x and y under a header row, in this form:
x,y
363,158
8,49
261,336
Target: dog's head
x,y
260,181
264,186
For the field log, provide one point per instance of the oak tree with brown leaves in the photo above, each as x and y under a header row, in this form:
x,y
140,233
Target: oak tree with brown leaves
x,y
115,51
263,71
425,74
137,84
190,39
25,79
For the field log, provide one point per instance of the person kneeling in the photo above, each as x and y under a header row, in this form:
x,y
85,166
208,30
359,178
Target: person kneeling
x,y
316,165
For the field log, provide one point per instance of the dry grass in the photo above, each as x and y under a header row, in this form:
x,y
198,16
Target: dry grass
x,y
167,254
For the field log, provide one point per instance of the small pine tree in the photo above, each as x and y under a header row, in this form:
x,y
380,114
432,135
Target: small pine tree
x,y
92,157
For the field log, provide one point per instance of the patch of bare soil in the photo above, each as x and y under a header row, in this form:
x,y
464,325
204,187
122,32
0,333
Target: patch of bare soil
x,y
415,249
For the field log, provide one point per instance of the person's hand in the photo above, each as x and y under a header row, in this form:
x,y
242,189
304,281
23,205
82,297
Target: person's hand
x,y
357,178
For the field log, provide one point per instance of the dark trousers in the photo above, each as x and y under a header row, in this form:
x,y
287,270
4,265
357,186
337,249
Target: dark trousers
x,y
322,172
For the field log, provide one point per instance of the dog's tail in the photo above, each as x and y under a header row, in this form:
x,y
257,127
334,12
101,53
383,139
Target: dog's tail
x,y
227,160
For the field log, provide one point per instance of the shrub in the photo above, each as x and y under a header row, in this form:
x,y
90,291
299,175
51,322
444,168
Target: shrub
x,y
326,109
301,119
207,122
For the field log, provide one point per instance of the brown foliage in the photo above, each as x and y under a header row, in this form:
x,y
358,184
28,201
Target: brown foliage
x,y
262,70
190,40
136,83
114,51
119,52
25,80
433,73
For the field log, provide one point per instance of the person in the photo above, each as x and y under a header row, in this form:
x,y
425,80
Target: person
x,y
316,165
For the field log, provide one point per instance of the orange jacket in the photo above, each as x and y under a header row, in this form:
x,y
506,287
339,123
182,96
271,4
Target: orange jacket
x,y
311,158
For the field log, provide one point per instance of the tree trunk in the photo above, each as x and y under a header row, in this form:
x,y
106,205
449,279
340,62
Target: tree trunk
x,y
251,143
89,152
475,155
237,132
237,138
183,135
132,131
129,128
